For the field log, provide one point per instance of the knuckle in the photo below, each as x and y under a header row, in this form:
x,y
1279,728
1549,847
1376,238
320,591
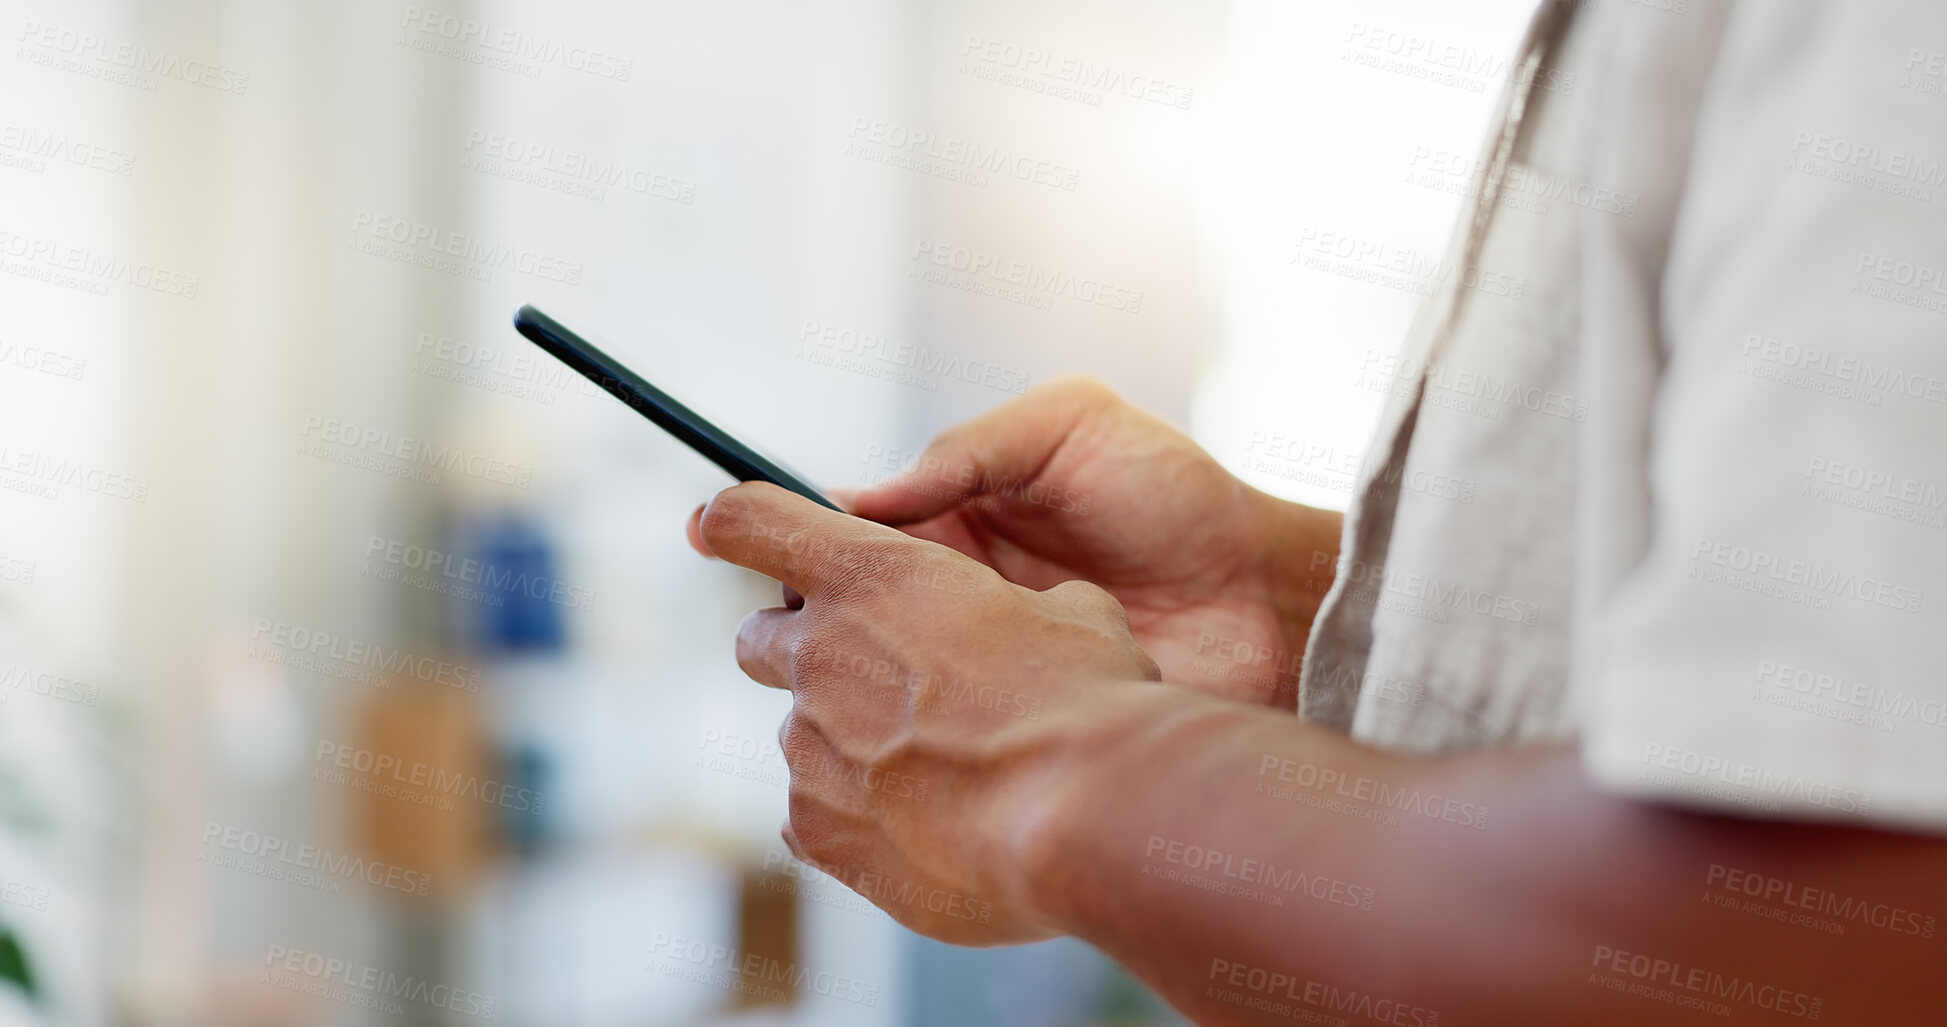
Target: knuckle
x,y
848,578
791,840
798,739
794,738
802,815
1083,590
871,566
756,643
1080,388
806,654
950,450
949,441
809,810
726,515
1092,598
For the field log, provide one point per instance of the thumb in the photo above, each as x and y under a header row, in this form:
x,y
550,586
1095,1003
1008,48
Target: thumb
x,y
994,453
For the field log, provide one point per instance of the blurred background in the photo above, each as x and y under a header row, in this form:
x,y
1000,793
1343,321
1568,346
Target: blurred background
x,y
353,668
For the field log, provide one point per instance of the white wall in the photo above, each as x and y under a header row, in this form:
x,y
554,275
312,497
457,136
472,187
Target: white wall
x,y
779,213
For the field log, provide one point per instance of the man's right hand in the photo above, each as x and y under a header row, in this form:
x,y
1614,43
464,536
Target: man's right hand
x,y
1220,581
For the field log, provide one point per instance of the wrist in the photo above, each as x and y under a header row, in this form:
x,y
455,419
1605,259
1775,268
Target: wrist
x,y
1062,822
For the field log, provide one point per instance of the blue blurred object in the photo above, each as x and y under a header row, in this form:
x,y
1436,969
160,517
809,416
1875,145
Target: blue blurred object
x,y
526,768
1060,983
521,611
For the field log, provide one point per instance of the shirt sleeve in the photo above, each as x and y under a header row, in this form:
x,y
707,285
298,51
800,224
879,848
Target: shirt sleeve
x,y
1773,641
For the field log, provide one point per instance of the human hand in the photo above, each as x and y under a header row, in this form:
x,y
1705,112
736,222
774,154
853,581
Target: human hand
x,y
1071,481
937,708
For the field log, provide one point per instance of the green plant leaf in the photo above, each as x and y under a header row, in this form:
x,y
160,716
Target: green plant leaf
x,y
13,964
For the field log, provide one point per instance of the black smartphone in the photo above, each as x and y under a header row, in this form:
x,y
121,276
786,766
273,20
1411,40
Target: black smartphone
x,y
719,446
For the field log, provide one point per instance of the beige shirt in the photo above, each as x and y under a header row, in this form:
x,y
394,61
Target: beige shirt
x,y
1693,359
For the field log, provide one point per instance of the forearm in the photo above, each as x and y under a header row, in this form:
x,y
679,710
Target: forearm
x,y
1490,889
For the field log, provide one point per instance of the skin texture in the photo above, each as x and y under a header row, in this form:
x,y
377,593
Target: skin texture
x,y
1011,703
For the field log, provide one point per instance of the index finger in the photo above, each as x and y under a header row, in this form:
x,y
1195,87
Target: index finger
x,y
776,532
